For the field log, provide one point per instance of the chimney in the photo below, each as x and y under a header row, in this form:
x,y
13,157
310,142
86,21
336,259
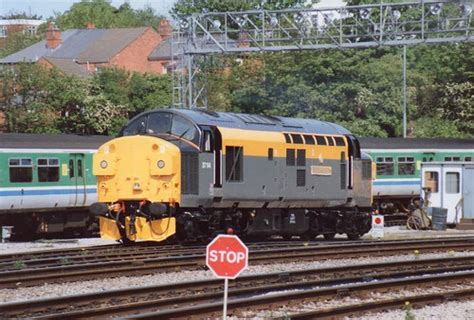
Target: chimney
x,y
90,25
165,29
53,36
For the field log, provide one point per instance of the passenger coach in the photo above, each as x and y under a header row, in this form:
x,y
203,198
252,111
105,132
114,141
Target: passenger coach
x,y
193,173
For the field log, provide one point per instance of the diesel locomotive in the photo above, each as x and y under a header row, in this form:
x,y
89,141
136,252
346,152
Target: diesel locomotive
x,y
188,175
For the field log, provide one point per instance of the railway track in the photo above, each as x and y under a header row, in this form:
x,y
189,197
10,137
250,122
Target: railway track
x,y
140,263
199,298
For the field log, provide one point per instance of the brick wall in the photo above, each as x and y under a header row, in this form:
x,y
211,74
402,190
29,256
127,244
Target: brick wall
x,y
135,56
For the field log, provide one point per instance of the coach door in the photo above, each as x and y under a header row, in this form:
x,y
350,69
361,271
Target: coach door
x,y
77,194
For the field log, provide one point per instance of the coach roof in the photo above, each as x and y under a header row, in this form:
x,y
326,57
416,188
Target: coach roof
x,y
255,122
415,143
50,141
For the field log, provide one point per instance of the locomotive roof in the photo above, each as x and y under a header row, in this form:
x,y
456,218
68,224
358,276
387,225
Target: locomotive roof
x,y
257,122
50,141
415,143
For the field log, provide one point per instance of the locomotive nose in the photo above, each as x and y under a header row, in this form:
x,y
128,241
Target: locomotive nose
x,y
138,168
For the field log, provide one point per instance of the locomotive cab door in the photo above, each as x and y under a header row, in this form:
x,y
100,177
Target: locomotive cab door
x,y
212,142
354,153
77,181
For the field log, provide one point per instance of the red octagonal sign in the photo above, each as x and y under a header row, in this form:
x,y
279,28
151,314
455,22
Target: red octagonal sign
x,y
227,256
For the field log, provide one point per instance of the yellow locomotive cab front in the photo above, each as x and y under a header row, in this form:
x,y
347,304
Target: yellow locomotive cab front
x,y
138,184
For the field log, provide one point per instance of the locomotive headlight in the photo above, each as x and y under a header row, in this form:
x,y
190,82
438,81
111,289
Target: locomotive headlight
x,y
104,164
137,186
160,164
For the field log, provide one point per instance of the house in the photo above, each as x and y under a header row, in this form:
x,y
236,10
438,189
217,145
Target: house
x,y
10,26
83,52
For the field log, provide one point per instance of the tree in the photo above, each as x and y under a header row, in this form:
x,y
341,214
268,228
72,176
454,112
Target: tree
x,y
186,7
104,15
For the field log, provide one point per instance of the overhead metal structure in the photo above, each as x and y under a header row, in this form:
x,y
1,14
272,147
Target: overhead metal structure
x,y
200,36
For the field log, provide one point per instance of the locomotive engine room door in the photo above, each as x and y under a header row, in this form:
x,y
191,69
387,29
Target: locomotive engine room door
x,y
77,196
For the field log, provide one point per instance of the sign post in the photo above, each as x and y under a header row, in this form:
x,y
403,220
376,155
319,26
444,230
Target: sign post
x,y
227,257
377,226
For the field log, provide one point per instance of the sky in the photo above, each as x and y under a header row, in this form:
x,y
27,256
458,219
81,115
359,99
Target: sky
x,y
46,8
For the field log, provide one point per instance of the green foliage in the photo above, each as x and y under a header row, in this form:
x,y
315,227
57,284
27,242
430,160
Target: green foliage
x,y
39,100
105,15
186,7
17,41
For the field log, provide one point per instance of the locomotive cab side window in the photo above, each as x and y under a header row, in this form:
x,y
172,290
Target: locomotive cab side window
x,y
234,166
290,157
185,129
20,169
270,153
48,169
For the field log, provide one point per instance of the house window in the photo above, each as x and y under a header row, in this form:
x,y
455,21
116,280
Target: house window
x,y
290,157
432,181
297,138
452,182
3,32
384,166
234,164
301,158
270,153
48,169
406,166
21,170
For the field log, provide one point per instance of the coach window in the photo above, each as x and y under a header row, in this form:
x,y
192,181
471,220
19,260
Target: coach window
x,y
384,166
297,138
234,170
406,166
431,181
185,129
468,159
451,159
290,157
71,168
321,141
308,139
48,170
452,182
287,138
21,170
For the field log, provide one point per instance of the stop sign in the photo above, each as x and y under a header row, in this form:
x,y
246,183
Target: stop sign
x,y
227,256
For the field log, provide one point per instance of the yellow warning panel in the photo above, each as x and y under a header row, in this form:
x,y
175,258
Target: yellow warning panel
x,y
108,229
156,230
